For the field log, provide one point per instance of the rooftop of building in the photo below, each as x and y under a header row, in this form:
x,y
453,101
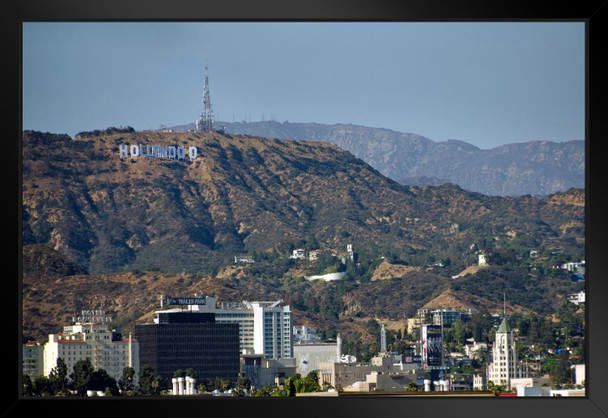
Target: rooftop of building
x,y
504,326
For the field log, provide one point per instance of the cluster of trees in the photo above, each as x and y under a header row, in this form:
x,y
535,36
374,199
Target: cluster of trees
x,y
85,378
291,386
82,379
108,131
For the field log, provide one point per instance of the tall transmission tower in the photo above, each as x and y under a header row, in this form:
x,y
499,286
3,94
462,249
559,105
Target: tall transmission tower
x,y
205,122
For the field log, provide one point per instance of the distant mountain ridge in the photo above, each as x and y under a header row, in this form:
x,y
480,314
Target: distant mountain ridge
x,y
538,168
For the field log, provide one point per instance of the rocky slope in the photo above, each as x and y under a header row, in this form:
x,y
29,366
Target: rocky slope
x,y
245,194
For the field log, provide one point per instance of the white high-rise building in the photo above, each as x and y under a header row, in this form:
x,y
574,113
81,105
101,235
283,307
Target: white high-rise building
x,y
505,364
92,338
264,327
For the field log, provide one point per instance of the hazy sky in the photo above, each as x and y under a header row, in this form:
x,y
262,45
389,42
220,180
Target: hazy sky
x,y
485,83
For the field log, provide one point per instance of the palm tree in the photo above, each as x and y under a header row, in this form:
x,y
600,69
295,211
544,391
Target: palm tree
x,y
412,387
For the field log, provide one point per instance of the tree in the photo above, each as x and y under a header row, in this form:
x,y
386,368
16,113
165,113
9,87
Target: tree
x,y
266,390
222,384
412,387
496,389
313,375
28,386
306,384
149,382
290,386
83,371
58,378
102,381
42,387
191,372
242,383
126,383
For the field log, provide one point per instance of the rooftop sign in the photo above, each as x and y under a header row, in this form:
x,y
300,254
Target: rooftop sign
x,y
92,317
187,301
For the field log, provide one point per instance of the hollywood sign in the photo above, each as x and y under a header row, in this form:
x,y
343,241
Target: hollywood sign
x,y
157,151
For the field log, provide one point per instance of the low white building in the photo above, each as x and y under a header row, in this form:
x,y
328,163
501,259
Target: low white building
x,y
309,356
529,382
579,374
479,382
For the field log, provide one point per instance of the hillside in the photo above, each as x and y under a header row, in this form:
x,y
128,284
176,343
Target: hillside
x,y
244,195
101,231
50,301
538,168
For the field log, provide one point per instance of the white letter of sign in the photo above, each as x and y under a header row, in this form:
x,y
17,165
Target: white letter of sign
x,y
124,151
192,152
134,151
172,152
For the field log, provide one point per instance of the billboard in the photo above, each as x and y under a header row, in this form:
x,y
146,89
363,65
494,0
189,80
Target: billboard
x,y
432,345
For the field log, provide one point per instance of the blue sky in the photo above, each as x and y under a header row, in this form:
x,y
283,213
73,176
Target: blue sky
x,y
486,83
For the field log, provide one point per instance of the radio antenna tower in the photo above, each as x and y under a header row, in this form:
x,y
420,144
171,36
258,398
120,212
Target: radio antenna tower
x,y
205,122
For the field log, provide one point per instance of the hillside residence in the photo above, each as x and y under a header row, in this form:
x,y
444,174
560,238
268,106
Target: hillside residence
x,y
475,350
577,298
314,254
574,267
243,259
482,259
345,255
300,254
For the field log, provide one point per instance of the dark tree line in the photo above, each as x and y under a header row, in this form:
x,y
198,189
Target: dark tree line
x,y
85,378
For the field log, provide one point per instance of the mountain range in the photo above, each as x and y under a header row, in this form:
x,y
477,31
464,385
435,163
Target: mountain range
x,y
107,226
537,168
244,194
